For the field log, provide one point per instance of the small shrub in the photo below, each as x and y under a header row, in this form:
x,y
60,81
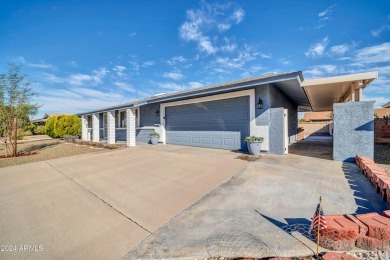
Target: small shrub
x,y
254,139
60,126
154,134
39,130
99,145
31,127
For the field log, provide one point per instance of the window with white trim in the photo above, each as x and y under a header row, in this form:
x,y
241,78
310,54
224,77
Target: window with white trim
x,y
122,119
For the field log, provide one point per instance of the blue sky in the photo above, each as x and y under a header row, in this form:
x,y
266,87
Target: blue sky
x,y
84,55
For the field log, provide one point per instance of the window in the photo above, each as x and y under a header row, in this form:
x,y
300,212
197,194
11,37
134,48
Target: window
x,y
122,119
89,121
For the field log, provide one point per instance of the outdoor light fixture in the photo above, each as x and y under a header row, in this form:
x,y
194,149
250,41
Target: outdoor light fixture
x,y
260,104
157,111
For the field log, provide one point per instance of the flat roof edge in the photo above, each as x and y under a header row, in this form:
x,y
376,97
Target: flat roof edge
x,y
371,75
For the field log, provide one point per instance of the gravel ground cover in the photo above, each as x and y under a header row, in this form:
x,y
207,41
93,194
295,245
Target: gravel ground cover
x,y
44,150
382,156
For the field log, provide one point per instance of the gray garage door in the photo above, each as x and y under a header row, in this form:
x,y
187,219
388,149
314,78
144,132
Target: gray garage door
x,y
217,124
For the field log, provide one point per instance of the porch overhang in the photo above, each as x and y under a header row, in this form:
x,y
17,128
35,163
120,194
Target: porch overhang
x,y
324,92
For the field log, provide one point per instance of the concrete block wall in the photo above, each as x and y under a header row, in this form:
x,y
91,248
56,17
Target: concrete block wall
x,y
353,130
130,129
95,128
314,128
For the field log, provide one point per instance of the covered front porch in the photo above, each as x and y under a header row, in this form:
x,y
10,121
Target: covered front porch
x,y
119,126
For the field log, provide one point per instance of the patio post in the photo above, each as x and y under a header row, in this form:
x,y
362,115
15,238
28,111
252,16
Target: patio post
x,y
95,128
84,128
111,127
130,127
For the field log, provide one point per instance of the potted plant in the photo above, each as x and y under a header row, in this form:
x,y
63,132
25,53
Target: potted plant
x,y
254,144
154,137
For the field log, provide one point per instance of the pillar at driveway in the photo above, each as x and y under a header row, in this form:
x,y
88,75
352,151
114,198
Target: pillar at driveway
x,y
111,127
95,128
84,128
130,127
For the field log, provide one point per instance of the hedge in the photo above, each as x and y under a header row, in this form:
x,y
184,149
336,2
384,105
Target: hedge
x,y
60,126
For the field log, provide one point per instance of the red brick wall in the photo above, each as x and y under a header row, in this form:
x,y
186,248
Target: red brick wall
x,y
382,130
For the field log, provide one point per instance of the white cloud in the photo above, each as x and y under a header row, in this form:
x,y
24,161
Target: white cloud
x,y
373,54
41,65
171,86
119,69
229,46
284,61
72,63
340,49
320,70
238,15
78,79
124,86
176,59
317,49
175,75
148,63
326,13
202,21
377,32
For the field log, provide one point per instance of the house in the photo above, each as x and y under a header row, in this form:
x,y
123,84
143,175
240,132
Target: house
x,y
325,116
42,121
222,115
381,112
387,105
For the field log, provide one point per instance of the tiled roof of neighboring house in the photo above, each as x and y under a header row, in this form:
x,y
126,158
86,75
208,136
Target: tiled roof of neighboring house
x,y
272,77
381,112
386,105
318,116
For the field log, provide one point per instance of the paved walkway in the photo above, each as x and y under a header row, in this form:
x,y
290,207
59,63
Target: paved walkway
x,y
247,216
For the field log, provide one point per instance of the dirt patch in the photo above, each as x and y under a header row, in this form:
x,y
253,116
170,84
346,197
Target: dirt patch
x,y
382,156
249,158
35,151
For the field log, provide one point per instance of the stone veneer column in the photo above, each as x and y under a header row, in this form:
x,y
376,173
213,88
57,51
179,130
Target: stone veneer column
x,y
95,128
84,129
130,127
111,127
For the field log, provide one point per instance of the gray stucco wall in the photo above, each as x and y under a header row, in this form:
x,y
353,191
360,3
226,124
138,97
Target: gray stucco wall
x,y
353,130
262,115
278,99
276,135
148,115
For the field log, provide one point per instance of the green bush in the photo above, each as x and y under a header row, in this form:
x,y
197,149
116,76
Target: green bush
x,y
154,134
60,126
254,139
39,130
31,127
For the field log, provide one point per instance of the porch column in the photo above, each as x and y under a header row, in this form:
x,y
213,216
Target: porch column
x,y
130,127
111,127
95,128
84,128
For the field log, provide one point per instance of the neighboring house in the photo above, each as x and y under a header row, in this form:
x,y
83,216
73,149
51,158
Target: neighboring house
x,y
42,121
381,112
325,116
222,115
387,105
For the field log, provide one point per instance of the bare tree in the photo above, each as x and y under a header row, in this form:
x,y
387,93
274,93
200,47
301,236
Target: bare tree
x,y
15,105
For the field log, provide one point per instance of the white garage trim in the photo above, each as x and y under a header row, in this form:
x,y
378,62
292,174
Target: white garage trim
x,y
252,106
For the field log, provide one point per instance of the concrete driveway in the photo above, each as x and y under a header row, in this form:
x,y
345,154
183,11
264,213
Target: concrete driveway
x,y
265,210
98,206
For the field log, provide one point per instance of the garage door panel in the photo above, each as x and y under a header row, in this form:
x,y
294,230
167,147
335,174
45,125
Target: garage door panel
x,y
217,124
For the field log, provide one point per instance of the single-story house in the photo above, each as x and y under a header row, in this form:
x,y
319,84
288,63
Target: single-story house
x,y
325,116
387,105
42,121
222,115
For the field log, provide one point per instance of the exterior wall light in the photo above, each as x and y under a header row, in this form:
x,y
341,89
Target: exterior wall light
x,y
157,112
260,104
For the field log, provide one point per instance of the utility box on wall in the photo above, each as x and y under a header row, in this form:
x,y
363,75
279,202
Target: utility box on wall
x,y
353,132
